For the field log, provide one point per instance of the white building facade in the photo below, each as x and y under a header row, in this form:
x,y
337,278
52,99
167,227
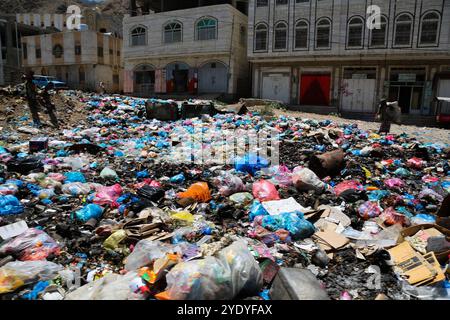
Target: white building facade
x,y
325,53
190,51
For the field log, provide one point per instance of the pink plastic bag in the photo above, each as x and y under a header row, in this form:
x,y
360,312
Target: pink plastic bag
x,y
147,182
264,190
108,195
57,177
281,176
346,185
369,209
33,244
394,183
415,163
391,217
430,179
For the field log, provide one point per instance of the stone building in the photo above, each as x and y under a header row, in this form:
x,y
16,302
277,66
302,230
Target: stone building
x,y
186,49
327,53
80,58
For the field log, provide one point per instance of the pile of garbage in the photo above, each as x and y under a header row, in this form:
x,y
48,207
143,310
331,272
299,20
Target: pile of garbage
x,y
111,208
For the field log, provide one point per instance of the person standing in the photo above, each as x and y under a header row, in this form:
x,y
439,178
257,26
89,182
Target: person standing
x,y
31,94
102,88
48,104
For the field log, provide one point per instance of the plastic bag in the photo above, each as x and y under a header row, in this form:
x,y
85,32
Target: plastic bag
x,y
394,183
402,172
110,287
91,211
369,209
264,190
108,195
183,216
250,163
74,177
298,227
256,209
14,275
10,205
422,218
243,198
146,252
108,173
415,163
33,244
281,176
346,185
76,189
305,179
179,178
222,278
391,217
198,191
8,189
228,184
114,240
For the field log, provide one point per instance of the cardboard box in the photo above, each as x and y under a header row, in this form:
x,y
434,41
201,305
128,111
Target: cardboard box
x,y
416,268
442,257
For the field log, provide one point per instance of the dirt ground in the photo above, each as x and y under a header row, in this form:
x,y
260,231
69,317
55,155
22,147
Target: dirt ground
x,y
426,134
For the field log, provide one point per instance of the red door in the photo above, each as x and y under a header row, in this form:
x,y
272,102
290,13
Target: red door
x,y
315,89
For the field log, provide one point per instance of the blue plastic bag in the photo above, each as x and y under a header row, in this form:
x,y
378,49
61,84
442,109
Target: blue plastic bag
x,y
256,209
74,177
250,163
298,227
88,212
179,178
10,205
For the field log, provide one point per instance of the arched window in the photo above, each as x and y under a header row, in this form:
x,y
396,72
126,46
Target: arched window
x,y
173,32
403,30
139,36
301,35
207,29
261,37
429,28
378,36
280,42
355,32
323,29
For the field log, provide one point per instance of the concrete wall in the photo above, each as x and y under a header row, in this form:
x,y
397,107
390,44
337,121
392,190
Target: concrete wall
x,y
96,68
229,48
339,12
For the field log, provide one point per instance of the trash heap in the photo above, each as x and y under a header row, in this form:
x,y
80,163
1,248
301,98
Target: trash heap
x,y
105,209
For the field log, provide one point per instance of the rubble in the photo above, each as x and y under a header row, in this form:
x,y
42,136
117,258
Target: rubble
x,y
110,196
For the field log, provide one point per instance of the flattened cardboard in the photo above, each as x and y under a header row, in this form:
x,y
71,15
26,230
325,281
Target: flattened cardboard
x,y
332,238
412,264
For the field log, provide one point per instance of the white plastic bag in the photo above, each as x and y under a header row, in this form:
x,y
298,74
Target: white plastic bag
x,y
14,275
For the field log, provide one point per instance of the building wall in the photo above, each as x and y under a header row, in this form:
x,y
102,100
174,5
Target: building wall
x,y
228,48
340,57
69,66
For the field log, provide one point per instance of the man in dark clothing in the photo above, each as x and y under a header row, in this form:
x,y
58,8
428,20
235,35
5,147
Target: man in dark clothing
x,y
31,95
47,103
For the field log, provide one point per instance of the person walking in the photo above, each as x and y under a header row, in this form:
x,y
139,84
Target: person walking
x,y
388,112
31,95
48,104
